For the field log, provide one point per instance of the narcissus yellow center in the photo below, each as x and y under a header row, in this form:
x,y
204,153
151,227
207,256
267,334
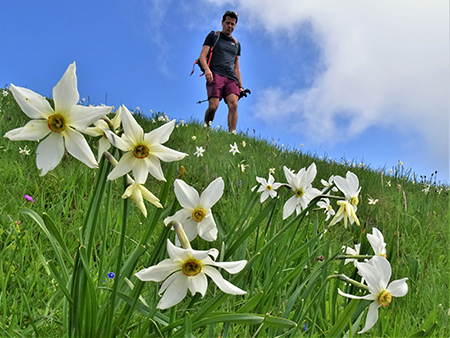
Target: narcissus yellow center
x,y
354,201
299,192
141,151
269,187
191,268
385,298
330,207
198,214
56,123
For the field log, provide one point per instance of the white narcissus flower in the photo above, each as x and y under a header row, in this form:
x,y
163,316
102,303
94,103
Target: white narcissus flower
x,y
267,187
234,148
324,203
137,192
377,273
187,269
199,151
60,126
377,243
196,215
350,187
143,152
97,130
24,151
352,252
373,201
347,212
328,184
301,186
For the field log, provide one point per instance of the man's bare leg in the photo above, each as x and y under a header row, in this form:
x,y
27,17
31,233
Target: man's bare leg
x,y
211,111
232,102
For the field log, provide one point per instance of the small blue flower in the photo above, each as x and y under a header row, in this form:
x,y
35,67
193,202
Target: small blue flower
x,y
305,327
111,275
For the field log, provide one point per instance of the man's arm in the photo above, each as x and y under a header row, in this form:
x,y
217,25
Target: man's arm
x,y
237,71
204,63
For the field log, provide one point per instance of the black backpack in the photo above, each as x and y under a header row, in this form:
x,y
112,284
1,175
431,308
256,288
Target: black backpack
x,y
209,56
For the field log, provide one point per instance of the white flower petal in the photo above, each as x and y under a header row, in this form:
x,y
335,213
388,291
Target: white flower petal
x,y
223,285
383,269
353,182
131,128
289,207
65,93
342,185
161,134
97,130
212,193
159,272
372,317
290,177
122,143
367,297
175,288
149,196
154,167
372,275
211,235
32,104
103,145
190,229
231,267
117,119
34,130
123,167
166,154
398,288
49,152
309,176
78,147
187,196
176,253
81,117
206,225
181,216
264,196
198,283
140,170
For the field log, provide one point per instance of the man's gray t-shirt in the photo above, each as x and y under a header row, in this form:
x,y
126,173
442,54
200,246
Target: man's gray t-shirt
x,y
224,55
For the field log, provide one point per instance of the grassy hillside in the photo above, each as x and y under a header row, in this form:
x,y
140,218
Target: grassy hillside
x,y
288,293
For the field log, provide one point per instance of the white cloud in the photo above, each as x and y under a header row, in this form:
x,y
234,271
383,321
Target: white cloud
x,y
386,63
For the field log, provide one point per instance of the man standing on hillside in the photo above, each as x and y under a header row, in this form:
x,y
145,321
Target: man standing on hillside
x,y
222,73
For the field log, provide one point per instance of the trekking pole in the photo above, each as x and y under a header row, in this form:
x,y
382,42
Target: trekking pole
x,y
241,95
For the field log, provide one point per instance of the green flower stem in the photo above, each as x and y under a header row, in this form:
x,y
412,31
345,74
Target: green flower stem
x,y
346,279
78,281
128,310
184,241
119,275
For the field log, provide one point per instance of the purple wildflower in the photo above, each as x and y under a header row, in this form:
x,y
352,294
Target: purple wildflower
x,y
29,198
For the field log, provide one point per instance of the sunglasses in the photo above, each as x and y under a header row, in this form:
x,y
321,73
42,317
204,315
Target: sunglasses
x,y
231,12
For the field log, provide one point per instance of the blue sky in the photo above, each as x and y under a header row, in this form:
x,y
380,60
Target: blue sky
x,y
363,80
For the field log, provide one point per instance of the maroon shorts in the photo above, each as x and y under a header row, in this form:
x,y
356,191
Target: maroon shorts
x,y
221,87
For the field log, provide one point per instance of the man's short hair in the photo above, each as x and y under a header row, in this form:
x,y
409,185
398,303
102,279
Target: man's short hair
x,y
230,14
